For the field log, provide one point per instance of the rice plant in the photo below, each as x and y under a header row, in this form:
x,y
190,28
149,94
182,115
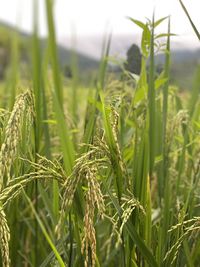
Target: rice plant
x,y
110,180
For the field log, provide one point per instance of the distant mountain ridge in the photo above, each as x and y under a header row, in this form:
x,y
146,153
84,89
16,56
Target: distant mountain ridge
x,y
84,61
92,45
89,48
183,59
179,56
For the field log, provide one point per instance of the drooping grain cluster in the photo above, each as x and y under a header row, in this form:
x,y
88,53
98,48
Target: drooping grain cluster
x,y
24,103
4,239
7,155
44,170
83,166
41,172
188,229
128,207
93,198
114,122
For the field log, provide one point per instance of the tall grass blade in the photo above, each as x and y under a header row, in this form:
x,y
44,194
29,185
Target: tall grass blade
x,y
152,105
42,227
53,52
191,22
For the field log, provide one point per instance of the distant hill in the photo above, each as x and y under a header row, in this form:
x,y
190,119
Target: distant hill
x,y
85,62
184,56
183,61
183,66
178,56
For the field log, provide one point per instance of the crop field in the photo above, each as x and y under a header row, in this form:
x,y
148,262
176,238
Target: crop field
x,y
104,175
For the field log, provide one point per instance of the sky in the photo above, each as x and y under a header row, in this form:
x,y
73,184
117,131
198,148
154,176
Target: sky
x,y
94,17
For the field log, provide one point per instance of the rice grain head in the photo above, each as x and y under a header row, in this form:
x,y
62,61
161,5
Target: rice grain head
x,y
4,239
24,102
93,197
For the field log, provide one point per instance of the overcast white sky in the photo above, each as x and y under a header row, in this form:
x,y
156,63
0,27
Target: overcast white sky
x,y
92,16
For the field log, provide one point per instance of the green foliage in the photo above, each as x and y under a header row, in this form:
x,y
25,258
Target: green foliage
x,y
100,176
